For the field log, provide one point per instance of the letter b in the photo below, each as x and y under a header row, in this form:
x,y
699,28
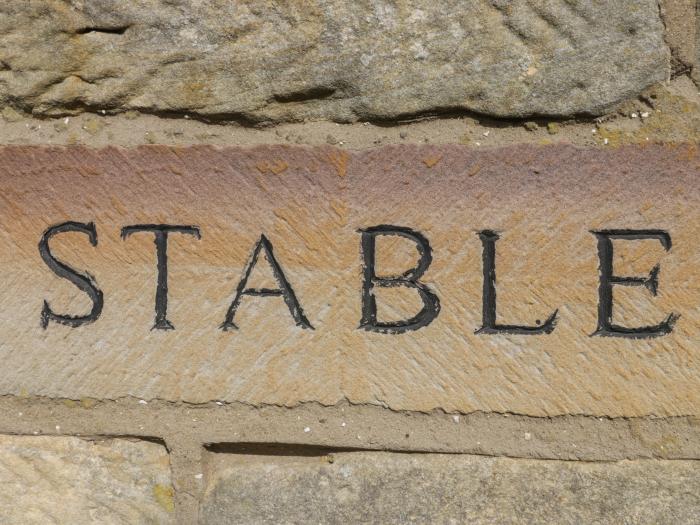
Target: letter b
x,y
409,279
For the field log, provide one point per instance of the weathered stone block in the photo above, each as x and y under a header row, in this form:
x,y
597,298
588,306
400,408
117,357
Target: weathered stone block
x,y
71,480
680,19
263,61
272,288
376,487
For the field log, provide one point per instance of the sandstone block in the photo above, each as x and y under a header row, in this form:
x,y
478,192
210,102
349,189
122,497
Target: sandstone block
x,y
376,487
680,18
261,61
71,480
530,280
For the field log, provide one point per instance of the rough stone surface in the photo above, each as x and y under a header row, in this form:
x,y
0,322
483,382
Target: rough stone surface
x,y
671,115
696,64
309,203
681,24
71,480
259,61
387,488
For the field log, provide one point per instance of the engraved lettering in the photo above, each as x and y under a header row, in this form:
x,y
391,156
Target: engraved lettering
x,y
83,281
161,232
409,279
606,327
489,324
285,289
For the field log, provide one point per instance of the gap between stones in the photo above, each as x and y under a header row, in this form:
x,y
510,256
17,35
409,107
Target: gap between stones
x,y
193,433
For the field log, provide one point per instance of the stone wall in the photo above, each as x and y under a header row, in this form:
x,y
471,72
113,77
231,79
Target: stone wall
x,y
541,124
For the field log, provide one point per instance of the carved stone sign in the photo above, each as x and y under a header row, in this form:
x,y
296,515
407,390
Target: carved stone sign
x,y
539,281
